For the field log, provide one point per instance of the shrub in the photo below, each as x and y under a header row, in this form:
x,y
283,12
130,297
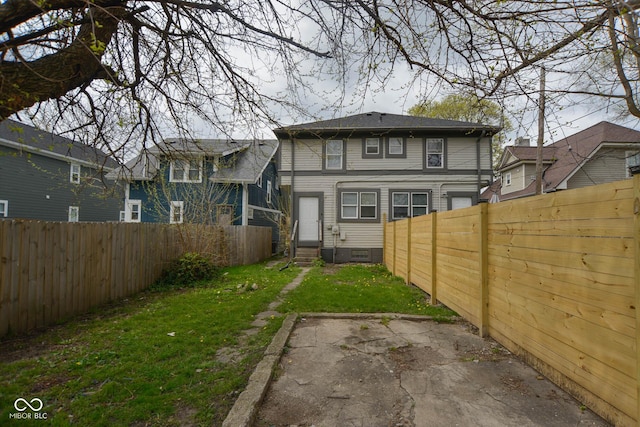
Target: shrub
x,y
187,271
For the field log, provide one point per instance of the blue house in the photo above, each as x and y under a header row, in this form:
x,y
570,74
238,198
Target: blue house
x,y
51,178
207,181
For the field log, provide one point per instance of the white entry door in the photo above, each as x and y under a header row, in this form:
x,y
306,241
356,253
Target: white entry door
x,y
308,214
461,202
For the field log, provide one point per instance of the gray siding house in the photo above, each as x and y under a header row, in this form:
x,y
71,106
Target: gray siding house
x,y
52,178
204,181
344,175
599,154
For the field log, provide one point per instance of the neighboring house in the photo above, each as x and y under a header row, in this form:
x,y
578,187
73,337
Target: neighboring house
x,y
343,175
52,178
596,155
204,181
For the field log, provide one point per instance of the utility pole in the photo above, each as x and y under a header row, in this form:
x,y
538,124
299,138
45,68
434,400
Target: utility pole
x,y
540,135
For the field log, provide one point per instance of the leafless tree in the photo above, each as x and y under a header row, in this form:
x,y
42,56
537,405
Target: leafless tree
x,y
128,70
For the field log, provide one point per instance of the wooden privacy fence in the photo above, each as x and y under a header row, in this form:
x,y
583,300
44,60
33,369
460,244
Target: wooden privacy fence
x,y
554,278
50,271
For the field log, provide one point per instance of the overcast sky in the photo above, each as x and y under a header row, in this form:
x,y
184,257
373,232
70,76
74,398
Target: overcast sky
x,y
337,99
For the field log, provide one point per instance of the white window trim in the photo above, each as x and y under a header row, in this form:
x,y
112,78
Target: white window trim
x,y
427,152
358,205
74,173
128,210
176,204
507,178
4,208
410,204
367,146
343,205
185,173
630,160
401,140
339,143
269,191
74,214
259,182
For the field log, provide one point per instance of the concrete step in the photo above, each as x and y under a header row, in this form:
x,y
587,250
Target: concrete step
x,y
305,257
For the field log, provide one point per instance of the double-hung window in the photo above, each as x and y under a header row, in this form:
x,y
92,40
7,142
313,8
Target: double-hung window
x,y
372,148
133,210
74,213
507,178
4,208
407,204
359,205
74,173
396,147
186,170
435,153
176,214
632,161
334,154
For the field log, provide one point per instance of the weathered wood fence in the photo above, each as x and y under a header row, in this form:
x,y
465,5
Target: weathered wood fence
x,y
51,271
554,278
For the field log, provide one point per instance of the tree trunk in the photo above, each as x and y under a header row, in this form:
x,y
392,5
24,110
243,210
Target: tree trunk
x,y
23,84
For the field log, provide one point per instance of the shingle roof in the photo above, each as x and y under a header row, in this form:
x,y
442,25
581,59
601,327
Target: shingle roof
x,y
568,154
572,151
249,164
25,137
252,157
179,146
384,122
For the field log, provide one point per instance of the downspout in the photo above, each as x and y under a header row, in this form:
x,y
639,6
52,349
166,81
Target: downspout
x,y
245,204
292,207
478,162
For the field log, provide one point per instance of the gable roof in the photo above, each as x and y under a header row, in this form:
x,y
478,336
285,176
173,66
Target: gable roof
x,y
376,122
251,159
249,163
573,151
567,155
517,154
178,147
21,136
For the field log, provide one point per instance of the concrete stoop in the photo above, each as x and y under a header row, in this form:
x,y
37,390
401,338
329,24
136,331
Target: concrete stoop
x,y
305,257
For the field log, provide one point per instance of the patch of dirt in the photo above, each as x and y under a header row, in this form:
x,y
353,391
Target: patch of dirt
x,y
413,358
48,382
515,384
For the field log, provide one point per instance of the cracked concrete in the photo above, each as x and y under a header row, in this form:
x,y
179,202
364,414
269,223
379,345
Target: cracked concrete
x,y
368,371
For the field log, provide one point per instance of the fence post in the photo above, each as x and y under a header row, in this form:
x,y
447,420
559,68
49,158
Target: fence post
x,y
636,280
408,281
484,271
384,239
434,256
395,243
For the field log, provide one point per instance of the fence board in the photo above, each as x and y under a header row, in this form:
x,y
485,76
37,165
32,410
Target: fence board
x,y
613,387
51,271
555,278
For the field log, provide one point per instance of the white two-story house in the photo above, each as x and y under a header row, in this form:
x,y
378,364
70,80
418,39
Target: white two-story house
x,y
345,175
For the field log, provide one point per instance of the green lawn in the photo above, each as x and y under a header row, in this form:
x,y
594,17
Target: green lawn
x,y
151,360
360,288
